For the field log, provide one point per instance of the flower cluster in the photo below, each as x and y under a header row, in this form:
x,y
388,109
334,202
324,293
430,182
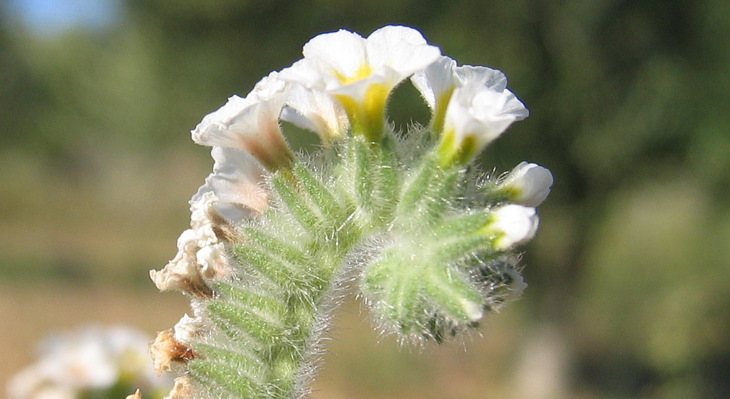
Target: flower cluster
x,y
91,362
274,235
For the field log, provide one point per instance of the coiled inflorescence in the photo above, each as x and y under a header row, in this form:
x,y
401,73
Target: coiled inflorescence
x,y
276,237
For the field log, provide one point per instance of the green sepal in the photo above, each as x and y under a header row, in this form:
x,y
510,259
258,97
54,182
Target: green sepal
x,y
237,320
330,212
224,380
369,177
429,193
282,273
275,248
264,304
246,364
307,217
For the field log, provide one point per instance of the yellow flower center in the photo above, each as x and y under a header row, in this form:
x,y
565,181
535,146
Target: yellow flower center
x,y
363,72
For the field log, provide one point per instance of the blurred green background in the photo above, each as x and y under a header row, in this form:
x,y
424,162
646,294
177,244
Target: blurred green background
x,y
629,277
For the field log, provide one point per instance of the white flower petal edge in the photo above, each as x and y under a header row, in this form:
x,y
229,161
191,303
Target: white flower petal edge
x,y
224,126
250,124
399,51
527,184
388,55
480,111
316,111
188,329
237,182
360,73
337,56
182,273
202,254
438,80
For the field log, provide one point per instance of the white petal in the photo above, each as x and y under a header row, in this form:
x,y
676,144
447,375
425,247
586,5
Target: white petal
x,y
270,87
437,79
202,231
401,48
306,73
359,89
224,126
182,273
340,52
482,113
492,78
237,182
213,261
315,111
497,110
250,124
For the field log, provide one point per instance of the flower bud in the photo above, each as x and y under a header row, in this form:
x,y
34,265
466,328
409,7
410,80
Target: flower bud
x,y
528,184
513,225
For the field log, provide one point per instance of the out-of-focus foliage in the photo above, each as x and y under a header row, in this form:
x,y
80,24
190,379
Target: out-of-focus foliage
x,y
629,274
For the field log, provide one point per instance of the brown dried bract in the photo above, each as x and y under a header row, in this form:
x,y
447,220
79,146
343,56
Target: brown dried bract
x,y
167,351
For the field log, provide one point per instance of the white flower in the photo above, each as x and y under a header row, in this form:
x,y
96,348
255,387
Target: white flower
x,y
31,383
470,105
527,184
513,225
92,358
361,72
476,115
443,76
250,124
439,80
316,111
236,184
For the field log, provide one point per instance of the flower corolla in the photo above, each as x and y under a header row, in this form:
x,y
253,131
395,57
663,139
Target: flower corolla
x,y
316,111
471,106
438,81
361,72
237,183
250,124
